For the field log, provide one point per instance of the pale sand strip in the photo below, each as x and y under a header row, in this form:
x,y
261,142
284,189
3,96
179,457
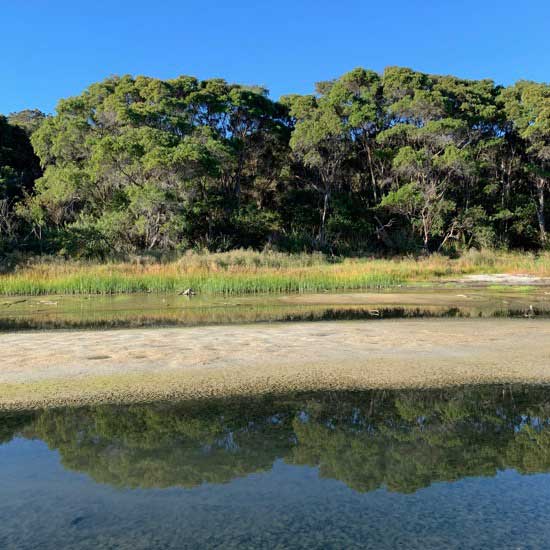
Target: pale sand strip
x,y
56,368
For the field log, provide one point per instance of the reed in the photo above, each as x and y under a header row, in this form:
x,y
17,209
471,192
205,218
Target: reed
x,y
248,272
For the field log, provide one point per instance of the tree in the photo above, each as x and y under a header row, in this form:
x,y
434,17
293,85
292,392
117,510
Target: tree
x,y
369,162
320,142
436,128
18,169
527,106
28,119
133,160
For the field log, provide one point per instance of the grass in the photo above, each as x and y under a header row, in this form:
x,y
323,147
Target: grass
x,y
248,272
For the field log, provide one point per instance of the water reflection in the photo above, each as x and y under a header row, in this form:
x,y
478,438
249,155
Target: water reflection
x,y
400,440
158,310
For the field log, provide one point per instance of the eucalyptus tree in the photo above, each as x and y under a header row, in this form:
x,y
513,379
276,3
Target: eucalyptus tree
x,y
18,169
437,125
414,160
357,98
527,106
27,119
319,141
334,138
130,162
116,159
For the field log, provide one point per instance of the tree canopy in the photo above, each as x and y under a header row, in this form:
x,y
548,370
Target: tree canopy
x,y
395,162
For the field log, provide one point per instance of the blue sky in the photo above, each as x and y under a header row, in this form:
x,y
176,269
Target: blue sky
x,y
55,48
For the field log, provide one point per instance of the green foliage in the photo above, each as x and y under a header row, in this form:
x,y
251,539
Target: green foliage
x,y
393,162
19,168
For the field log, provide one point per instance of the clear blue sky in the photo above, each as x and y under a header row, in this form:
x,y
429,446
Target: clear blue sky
x,y
55,48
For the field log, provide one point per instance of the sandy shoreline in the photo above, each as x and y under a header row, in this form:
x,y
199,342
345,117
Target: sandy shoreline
x,y
63,367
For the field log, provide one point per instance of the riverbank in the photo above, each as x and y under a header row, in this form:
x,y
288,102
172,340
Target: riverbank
x,y
45,369
248,272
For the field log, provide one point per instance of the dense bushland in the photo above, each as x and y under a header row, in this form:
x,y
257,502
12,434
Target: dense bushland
x,y
392,163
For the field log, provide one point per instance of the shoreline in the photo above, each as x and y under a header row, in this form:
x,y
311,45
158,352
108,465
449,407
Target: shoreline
x,y
57,368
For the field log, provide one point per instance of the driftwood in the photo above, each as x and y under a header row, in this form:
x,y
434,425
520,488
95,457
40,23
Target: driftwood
x,y
9,304
187,292
530,313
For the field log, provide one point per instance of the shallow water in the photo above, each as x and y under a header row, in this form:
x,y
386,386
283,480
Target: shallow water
x,y
455,468
140,310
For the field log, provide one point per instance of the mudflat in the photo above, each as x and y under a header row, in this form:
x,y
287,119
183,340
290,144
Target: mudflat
x,y
54,368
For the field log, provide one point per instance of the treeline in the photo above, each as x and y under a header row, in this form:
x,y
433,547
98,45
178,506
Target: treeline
x,y
396,162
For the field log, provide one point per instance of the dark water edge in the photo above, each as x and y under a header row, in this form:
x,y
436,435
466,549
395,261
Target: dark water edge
x,y
312,315
464,467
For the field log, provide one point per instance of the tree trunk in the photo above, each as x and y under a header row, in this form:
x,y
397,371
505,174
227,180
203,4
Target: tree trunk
x,y
323,218
372,177
425,249
425,234
540,211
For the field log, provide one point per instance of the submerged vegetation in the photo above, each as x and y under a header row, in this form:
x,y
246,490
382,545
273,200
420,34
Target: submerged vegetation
x,y
249,272
391,163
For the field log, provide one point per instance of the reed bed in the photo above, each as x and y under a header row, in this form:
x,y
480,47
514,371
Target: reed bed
x,y
248,272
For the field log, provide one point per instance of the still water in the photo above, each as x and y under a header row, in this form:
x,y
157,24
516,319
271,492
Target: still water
x,y
454,468
142,310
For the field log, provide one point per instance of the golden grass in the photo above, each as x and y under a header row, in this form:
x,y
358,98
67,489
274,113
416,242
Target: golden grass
x,y
247,272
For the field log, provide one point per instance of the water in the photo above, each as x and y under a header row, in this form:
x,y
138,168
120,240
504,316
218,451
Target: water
x,y
140,310
452,468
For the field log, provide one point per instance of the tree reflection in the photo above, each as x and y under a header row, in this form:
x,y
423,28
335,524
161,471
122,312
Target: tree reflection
x,y
400,440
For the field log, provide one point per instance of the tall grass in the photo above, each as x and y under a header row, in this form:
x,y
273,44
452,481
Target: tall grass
x,y
247,272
